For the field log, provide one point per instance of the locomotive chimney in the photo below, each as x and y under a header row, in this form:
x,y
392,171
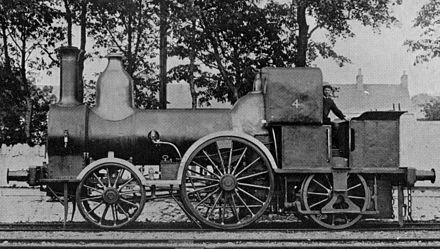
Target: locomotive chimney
x,y
114,91
71,92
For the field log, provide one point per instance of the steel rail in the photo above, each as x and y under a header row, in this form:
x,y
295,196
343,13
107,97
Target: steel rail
x,y
189,227
221,243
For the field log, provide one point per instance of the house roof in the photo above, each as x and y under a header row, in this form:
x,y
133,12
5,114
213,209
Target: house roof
x,y
354,99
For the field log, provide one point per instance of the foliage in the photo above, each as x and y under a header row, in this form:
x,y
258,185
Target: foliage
x,y
428,46
232,40
41,99
11,108
432,109
129,27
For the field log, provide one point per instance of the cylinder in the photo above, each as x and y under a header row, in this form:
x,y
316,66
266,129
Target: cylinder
x,y
425,175
17,175
114,91
70,85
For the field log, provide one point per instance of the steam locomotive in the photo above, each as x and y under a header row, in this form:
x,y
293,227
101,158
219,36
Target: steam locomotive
x,y
270,153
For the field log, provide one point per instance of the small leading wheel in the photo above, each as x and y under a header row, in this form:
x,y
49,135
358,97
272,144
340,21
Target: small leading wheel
x,y
110,195
317,192
227,182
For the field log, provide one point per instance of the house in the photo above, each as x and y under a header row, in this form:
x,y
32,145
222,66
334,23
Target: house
x,y
354,99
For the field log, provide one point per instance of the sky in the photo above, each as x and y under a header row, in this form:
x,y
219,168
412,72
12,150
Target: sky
x,y
381,56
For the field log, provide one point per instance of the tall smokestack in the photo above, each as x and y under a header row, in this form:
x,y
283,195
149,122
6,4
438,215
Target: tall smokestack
x,y
70,84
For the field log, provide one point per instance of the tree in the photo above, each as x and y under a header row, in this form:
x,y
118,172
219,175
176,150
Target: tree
x,y
432,109
26,29
129,27
333,16
428,46
230,41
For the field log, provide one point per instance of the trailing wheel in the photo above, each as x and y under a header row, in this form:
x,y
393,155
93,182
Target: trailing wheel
x,y
344,209
227,182
110,195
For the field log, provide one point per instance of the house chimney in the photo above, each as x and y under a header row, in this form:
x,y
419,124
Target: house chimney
x,y
404,80
360,80
70,86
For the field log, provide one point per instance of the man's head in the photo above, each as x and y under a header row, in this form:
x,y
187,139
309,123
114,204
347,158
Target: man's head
x,y
327,91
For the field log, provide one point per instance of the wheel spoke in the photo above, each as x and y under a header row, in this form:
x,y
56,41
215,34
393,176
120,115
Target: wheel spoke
x,y
125,184
92,198
253,175
203,167
128,192
201,189
128,202
104,213
230,158
253,186
250,195
92,188
194,186
102,202
123,210
215,204
114,215
319,202
234,208
209,158
117,177
247,167
108,177
356,197
221,158
99,180
206,197
239,161
198,173
224,207
244,203
202,178
355,186
317,193
324,187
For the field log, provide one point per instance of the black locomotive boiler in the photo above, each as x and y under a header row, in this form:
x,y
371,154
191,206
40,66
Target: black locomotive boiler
x,y
270,152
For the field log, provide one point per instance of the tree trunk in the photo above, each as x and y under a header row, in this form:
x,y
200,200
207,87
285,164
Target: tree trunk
x,y
192,55
69,22
163,54
83,39
222,69
28,111
5,48
302,38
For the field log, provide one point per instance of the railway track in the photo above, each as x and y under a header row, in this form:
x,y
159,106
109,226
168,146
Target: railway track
x,y
190,227
416,235
351,242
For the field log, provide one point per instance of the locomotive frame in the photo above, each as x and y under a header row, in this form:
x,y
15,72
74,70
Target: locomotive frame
x,y
270,150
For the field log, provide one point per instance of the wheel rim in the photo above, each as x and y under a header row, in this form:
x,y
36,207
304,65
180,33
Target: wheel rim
x,y
227,183
318,191
110,195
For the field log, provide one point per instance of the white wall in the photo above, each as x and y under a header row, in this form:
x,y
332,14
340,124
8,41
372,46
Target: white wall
x,y
20,156
420,145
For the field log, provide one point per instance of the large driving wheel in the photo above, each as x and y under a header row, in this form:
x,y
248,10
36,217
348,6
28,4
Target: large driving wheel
x,y
318,191
227,182
110,195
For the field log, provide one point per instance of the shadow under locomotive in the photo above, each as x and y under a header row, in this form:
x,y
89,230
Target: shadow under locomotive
x,y
225,168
